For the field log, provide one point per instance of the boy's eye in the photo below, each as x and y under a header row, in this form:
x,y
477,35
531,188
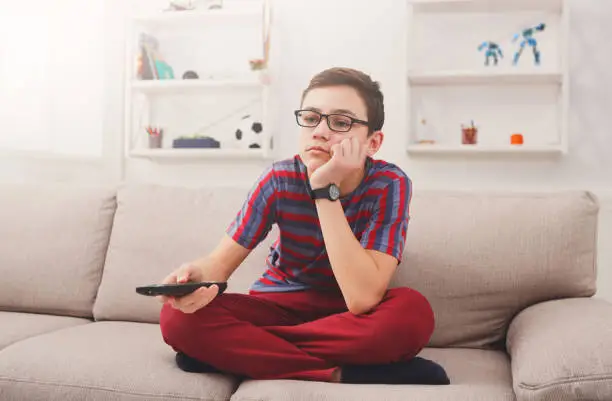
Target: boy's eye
x,y
309,117
341,122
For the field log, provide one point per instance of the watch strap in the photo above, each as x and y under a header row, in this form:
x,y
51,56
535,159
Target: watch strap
x,y
320,193
330,192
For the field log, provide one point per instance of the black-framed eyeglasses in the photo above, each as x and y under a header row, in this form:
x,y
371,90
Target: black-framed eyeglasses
x,y
335,122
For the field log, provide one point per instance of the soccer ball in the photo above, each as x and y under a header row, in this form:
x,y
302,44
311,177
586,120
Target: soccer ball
x,y
249,133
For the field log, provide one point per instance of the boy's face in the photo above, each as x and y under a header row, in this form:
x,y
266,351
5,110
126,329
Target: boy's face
x,y
316,142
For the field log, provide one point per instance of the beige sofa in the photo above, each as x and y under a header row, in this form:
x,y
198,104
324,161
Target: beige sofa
x,y
510,277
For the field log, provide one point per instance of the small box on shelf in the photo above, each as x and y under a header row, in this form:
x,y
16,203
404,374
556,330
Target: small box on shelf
x,y
200,142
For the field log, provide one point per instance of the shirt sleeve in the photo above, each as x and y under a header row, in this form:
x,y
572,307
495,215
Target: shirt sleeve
x,y
254,220
386,231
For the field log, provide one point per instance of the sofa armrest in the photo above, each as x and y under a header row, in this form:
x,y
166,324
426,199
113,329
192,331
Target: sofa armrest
x,y
562,350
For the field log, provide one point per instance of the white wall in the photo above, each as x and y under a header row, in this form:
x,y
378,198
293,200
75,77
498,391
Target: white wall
x,y
52,76
52,92
313,35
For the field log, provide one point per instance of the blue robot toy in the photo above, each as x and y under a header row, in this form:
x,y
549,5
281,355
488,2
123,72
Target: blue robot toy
x,y
492,50
528,39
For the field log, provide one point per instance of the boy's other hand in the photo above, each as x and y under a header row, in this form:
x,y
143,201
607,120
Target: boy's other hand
x,y
196,300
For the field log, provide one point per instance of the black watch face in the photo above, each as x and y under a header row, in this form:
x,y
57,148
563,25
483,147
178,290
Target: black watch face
x,y
334,192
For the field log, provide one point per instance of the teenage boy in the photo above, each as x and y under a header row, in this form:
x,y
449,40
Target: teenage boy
x,y
322,310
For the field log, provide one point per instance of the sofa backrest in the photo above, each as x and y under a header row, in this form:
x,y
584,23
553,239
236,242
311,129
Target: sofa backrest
x,y
480,258
158,228
53,241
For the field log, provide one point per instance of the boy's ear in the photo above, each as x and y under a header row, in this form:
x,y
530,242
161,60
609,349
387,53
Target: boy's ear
x,y
375,142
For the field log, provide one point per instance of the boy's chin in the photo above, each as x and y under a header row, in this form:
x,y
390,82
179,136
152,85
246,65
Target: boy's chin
x,y
313,163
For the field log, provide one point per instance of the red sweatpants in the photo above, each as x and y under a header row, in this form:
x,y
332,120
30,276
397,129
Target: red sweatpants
x,y
301,335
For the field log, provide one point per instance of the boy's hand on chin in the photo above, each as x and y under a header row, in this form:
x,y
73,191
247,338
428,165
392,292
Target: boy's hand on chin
x,y
346,157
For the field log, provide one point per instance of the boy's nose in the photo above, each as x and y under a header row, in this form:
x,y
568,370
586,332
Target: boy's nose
x,y
322,129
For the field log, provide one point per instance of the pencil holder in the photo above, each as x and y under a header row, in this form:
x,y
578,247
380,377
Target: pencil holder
x,y
155,140
469,135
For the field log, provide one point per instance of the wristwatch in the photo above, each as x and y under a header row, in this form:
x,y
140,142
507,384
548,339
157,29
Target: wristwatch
x,y
331,192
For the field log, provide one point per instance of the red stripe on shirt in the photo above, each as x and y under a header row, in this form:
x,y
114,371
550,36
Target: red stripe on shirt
x,y
375,192
300,218
285,249
303,239
290,174
385,173
283,261
294,196
264,280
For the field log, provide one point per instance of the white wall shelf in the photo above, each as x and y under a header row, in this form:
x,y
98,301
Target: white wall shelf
x,y
435,149
453,87
170,86
498,6
487,76
198,153
197,16
218,45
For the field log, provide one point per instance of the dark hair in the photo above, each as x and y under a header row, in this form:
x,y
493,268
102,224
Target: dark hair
x,y
368,89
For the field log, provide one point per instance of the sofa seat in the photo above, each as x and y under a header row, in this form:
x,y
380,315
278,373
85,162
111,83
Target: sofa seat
x,y
103,361
476,375
16,326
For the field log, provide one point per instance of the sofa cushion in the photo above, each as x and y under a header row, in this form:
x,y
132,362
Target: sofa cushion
x,y
158,228
562,350
118,361
476,375
17,326
480,258
53,239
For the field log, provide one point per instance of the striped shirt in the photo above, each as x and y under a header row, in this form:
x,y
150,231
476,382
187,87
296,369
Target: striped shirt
x,y
377,212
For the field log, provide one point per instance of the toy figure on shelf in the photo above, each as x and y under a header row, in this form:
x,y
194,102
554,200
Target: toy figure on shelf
x,y
492,50
528,39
